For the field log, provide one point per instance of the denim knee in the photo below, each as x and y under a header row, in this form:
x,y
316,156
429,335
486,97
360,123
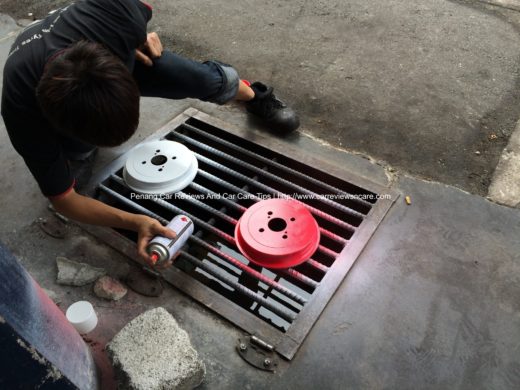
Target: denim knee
x,y
230,82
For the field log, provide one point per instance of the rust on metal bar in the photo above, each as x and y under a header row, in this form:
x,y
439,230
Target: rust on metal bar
x,y
197,240
278,179
285,168
232,187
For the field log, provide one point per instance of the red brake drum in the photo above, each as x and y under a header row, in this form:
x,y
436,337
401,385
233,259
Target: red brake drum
x,y
277,233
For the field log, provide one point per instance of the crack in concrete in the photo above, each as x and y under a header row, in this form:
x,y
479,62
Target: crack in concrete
x,y
505,184
391,174
507,4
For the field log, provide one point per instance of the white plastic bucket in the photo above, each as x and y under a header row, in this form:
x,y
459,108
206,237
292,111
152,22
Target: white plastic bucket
x,y
82,316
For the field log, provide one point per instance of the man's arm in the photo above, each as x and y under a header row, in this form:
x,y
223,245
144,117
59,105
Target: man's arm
x,y
87,210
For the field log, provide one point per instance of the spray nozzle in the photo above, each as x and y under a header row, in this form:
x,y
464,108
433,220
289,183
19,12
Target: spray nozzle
x,y
154,257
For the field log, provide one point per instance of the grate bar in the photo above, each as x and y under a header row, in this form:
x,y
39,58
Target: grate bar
x,y
232,187
218,275
228,202
210,209
202,223
190,199
321,248
271,190
132,204
301,277
321,267
297,275
220,214
328,252
176,210
235,205
214,271
270,175
333,236
272,283
241,208
276,164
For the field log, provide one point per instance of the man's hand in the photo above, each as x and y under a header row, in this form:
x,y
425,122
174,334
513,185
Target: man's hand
x,y
148,228
151,49
87,210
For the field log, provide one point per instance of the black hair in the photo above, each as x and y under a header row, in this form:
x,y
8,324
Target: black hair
x,y
87,93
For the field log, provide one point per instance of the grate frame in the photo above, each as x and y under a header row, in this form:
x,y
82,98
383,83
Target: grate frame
x,y
286,343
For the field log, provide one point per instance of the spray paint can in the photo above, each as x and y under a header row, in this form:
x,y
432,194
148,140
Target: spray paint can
x,y
161,249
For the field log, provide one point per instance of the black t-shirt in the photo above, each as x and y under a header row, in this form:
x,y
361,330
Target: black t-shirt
x,y
120,25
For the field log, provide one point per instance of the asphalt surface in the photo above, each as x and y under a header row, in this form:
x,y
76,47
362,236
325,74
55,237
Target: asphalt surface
x,y
427,87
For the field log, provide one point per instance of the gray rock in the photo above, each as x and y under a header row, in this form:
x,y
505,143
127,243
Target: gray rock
x,y
72,273
153,352
109,288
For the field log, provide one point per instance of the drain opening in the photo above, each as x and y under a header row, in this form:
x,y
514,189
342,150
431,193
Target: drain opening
x,y
281,305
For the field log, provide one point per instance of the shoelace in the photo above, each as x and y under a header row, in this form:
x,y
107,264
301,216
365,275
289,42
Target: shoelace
x,y
273,103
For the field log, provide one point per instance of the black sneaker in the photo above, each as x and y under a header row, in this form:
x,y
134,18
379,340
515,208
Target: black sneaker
x,y
267,106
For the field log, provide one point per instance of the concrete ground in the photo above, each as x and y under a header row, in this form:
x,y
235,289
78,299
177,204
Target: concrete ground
x,y
427,87
432,302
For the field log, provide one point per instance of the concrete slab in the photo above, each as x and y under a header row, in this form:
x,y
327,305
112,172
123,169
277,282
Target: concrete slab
x,y
430,304
152,352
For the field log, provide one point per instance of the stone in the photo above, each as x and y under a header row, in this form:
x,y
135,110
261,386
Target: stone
x,y
72,273
109,288
153,352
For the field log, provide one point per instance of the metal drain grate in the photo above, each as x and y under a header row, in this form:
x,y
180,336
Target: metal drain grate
x,y
278,306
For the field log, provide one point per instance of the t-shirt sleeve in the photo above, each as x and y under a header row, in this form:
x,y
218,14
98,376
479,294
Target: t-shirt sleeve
x,y
121,25
126,14
34,139
136,11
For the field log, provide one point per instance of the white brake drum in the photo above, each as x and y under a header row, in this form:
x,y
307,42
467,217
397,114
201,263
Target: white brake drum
x,y
160,167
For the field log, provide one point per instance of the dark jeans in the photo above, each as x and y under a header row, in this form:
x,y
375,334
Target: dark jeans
x,y
174,77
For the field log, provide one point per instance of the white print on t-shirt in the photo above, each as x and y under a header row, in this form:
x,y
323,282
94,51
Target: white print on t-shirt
x,y
38,35
29,40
